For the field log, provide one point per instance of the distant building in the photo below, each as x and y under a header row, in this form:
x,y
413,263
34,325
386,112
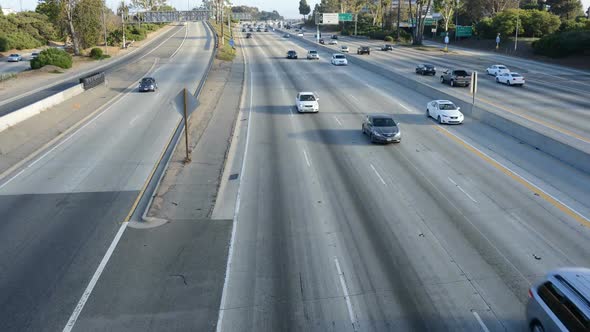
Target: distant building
x,y
7,11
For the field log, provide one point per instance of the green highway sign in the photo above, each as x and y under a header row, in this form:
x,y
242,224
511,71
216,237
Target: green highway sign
x,y
464,31
345,17
427,21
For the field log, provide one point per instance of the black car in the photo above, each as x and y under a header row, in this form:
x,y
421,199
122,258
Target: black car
x,y
243,30
265,29
148,84
334,37
251,30
258,30
291,55
386,47
363,50
381,128
322,41
248,35
426,69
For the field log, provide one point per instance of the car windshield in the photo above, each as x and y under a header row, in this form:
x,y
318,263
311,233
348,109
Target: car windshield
x,y
313,52
428,66
14,55
339,57
307,98
447,107
383,122
147,80
461,73
501,67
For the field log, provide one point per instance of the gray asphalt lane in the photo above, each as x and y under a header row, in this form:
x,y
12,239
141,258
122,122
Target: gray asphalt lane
x,y
421,235
60,213
553,95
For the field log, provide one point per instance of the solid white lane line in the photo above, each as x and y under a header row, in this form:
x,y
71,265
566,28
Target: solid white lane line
x,y
377,173
74,317
336,118
353,97
223,303
306,158
75,132
453,182
481,323
291,112
346,295
183,40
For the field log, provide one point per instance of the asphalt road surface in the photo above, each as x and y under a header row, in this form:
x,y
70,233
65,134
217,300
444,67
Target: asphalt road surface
x,y
445,231
60,213
553,96
112,68
15,67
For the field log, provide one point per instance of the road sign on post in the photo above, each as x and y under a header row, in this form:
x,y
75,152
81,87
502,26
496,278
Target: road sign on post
x,y
185,103
345,17
329,18
464,31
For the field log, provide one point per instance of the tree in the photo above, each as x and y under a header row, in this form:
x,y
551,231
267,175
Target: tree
x,y
538,23
49,8
68,12
446,8
505,22
304,8
422,7
566,9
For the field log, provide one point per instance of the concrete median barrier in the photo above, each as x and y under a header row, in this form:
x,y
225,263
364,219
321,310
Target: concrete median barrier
x,y
557,144
24,113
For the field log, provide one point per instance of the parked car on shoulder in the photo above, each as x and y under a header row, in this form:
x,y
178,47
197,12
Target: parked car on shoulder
x,y
426,69
560,301
363,50
456,77
381,128
444,111
387,47
497,70
510,79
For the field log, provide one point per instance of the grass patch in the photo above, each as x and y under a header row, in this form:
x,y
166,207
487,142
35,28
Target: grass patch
x,y
224,52
56,71
8,76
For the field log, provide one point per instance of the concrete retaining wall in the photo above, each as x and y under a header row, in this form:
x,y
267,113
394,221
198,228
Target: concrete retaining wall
x,y
550,141
24,113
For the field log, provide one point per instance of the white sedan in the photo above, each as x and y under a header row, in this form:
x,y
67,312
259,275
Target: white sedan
x,y
307,102
444,111
510,79
339,60
333,42
497,70
14,58
344,49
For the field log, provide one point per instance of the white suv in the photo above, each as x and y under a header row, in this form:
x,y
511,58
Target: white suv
x,y
339,60
313,55
307,102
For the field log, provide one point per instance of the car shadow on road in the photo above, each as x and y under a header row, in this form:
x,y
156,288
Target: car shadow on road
x,y
413,119
278,110
333,136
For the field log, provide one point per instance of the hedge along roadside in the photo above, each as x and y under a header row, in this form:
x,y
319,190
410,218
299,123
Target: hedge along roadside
x,y
540,137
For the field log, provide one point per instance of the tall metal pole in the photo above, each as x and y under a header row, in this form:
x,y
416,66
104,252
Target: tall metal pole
x,y
356,20
123,23
516,32
456,18
222,25
188,157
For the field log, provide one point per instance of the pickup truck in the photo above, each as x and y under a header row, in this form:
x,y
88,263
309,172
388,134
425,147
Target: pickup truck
x,y
456,77
363,50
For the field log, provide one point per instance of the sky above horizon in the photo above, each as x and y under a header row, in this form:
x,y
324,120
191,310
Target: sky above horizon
x,y
287,8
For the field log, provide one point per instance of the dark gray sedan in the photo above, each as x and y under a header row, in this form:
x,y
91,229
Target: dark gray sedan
x,y
148,84
381,128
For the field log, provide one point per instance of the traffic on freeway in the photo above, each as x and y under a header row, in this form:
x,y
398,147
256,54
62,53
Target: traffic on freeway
x,y
254,175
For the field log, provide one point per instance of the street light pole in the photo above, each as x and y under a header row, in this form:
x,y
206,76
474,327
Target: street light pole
x,y
399,9
516,32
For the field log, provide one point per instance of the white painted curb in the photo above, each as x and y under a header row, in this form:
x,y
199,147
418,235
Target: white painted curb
x,y
26,112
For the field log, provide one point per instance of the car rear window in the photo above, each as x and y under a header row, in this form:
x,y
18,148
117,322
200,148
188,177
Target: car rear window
x,y
516,75
339,57
563,308
501,67
461,73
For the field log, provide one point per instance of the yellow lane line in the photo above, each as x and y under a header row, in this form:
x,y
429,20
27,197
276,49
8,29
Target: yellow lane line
x,y
553,201
149,178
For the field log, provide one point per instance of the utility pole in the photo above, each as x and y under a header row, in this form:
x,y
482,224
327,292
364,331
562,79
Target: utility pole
x,y
516,32
456,18
123,23
222,25
356,19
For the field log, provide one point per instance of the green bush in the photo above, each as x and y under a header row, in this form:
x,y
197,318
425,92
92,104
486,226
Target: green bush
x,y
562,44
485,29
96,53
52,56
388,39
345,32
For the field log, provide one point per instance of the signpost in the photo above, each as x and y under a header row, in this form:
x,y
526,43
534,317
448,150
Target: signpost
x,y
447,42
185,104
498,41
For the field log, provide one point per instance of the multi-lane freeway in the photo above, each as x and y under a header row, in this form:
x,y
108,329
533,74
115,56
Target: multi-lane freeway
x,y
444,231
60,212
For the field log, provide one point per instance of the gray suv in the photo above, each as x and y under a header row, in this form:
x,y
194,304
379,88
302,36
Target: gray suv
x,y
456,77
561,302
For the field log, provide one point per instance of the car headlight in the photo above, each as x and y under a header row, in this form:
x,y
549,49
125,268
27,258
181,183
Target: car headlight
x,y
377,134
398,134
